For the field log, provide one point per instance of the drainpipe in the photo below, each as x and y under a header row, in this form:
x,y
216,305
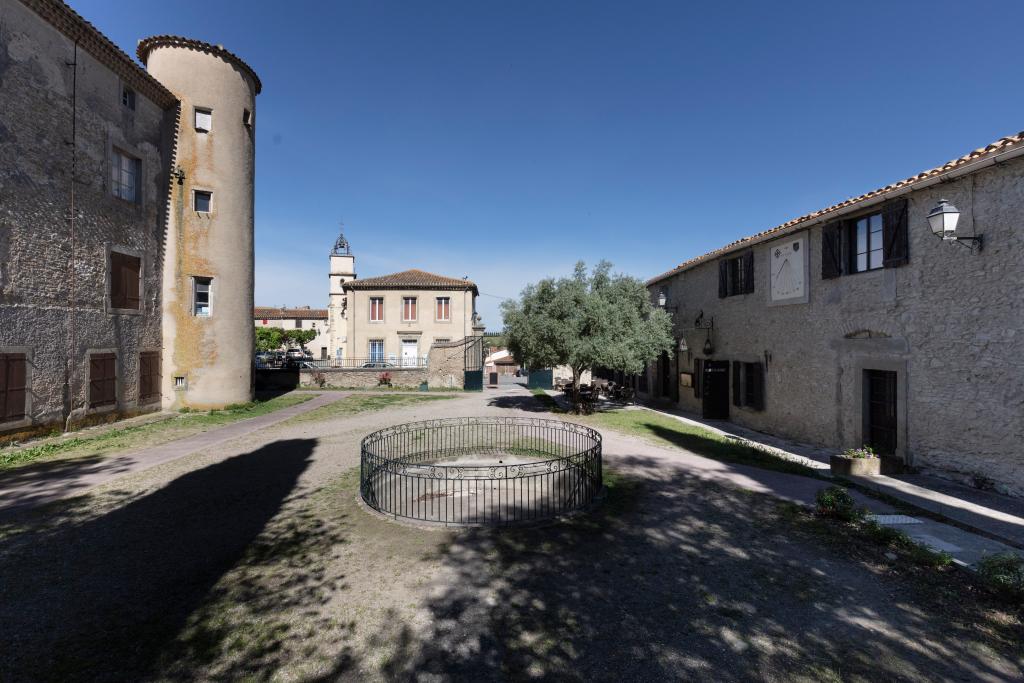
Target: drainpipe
x,y
69,361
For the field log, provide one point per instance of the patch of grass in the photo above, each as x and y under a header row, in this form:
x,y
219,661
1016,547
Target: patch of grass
x,y
666,430
1004,574
352,405
117,439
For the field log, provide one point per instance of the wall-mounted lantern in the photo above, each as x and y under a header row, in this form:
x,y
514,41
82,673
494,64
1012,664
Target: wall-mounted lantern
x,y
662,298
683,347
943,219
708,325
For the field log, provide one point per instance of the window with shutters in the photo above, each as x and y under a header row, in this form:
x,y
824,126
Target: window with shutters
x,y
102,380
125,281
865,243
736,275
409,309
149,376
13,376
444,309
124,176
376,309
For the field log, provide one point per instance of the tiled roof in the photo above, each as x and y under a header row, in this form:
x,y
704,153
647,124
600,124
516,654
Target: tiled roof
x,y
410,279
271,313
146,45
74,26
1001,146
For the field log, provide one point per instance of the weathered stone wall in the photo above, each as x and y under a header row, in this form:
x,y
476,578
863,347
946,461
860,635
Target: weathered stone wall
x,y
950,322
447,365
49,309
344,378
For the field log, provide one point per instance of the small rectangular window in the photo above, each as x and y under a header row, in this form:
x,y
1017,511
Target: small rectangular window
x,y
125,281
376,309
13,386
201,296
204,120
866,238
409,308
124,176
179,382
149,376
442,340
102,380
376,350
202,201
247,118
128,98
444,308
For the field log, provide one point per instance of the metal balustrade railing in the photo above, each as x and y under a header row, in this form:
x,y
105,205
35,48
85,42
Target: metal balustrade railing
x,y
276,362
481,471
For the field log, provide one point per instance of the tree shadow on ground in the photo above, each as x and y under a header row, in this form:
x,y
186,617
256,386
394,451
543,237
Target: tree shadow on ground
x,y
530,403
676,578
106,598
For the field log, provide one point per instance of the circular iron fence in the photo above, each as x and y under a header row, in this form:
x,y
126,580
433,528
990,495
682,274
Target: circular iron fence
x,y
480,471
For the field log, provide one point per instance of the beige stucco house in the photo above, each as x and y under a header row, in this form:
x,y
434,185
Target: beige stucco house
x,y
396,318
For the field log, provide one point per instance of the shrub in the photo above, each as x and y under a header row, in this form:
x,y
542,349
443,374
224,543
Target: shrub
x,y
319,379
862,452
384,380
885,535
835,501
1003,573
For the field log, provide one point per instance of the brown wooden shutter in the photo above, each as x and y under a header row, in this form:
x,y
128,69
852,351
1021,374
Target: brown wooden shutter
x,y
132,270
118,288
698,377
16,376
102,380
894,234
755,380
149,375
831,251
737,396
748,272
3,387
723,278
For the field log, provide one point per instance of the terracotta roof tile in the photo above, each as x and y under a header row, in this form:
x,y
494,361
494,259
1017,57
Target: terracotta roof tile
x,y
999,146
410,279
271,313
146,45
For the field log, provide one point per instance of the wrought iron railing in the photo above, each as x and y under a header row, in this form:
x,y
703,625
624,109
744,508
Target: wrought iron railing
x,y
481,471
272,362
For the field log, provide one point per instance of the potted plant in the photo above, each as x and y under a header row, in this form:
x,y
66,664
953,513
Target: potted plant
x,y
860,462
384,379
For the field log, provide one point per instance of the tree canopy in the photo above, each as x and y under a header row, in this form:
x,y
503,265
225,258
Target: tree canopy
x,y
273,338
586,321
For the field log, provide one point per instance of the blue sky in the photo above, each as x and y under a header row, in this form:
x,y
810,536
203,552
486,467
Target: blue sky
x,y
506,140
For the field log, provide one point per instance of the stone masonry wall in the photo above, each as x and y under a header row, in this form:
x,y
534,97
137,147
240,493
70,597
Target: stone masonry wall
x,y
344,378
951,323
49,310
447,365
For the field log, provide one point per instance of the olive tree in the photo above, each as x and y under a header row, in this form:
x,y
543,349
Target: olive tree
x,y
585,321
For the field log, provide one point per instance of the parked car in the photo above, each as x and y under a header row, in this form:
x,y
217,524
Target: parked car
x,y
378,364
269,359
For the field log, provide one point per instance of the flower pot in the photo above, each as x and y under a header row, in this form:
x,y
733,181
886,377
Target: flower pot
x,y
854,467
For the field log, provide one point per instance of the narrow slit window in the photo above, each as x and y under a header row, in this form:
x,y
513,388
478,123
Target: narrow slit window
x,y
409,309
247,118
128,98
204,120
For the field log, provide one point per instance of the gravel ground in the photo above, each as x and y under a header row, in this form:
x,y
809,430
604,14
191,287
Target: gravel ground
x,y
256,561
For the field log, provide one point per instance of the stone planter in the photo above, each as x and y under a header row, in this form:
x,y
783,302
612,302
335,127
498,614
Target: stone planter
x,y
855,467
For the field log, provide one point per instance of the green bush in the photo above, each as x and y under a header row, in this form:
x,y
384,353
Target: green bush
x,y
885,535
1004,573
835,501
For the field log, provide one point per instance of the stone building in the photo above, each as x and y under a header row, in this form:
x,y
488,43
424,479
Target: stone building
x,y
301,318
857,325
125,222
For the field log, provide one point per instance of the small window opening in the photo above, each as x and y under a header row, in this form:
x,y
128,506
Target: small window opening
x,y
202,201
204,120
128,97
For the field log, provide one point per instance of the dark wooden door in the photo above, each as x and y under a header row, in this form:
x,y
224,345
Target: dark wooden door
x,y
716,390
880,392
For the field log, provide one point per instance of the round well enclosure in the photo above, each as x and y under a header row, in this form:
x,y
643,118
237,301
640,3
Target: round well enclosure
x,y
480,471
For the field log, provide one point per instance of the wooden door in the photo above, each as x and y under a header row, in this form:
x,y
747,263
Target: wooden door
x,y
880,404
715,390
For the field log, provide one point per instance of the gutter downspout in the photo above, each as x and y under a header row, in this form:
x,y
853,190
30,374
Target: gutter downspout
x,y
69,361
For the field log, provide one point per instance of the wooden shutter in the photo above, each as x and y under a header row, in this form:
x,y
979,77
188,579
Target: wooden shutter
x,y
12,386
723,278
124,280
831,251
755,382
737,396
149,375
748,272
102,380
698,377
894,234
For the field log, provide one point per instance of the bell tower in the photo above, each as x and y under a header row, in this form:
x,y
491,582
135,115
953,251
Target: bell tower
x,y
343,269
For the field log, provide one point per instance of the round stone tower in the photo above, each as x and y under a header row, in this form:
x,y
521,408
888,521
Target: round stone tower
x,y
208,254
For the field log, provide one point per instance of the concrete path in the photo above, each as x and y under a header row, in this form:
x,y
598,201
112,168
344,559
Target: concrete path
x,y
34,485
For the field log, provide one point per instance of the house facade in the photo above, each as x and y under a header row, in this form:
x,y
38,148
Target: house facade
x,y
396,318
301,318
112,277
857,325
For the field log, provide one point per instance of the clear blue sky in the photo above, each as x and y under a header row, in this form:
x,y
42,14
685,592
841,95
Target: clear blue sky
x,y
506,140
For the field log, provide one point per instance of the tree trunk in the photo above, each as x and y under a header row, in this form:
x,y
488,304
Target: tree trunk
x,y
576,374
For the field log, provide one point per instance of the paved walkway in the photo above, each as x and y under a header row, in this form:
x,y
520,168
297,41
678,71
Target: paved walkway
x,y
46,482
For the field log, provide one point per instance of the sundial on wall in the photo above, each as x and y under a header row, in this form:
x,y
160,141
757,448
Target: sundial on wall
x,y
789,270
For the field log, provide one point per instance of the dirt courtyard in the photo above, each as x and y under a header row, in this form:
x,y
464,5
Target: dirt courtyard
x,y
257,562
